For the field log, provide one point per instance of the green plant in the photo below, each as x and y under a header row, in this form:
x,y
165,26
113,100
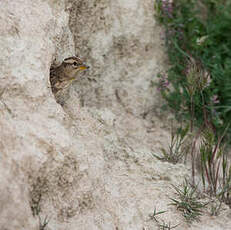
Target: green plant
x,y
197,37
211,156
188,202
215,208
161,224
44,223
165,226
197,85
176,149
35,204
155,214
215,166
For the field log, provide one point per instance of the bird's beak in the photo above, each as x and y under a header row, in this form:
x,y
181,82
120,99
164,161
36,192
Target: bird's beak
x,y
83,67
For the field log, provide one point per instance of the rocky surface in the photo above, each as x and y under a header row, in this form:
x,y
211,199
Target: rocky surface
x,y
88,165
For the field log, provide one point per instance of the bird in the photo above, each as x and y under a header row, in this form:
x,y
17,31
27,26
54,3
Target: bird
x,y
62,76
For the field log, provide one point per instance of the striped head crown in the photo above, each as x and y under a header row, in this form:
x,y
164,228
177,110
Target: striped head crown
x,y
75,62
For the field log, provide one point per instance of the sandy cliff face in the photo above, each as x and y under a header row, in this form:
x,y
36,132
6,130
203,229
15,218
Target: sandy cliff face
x,y
87,165
31,123
121,41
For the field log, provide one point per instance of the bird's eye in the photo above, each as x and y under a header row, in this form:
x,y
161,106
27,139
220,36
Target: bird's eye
x,y
75,63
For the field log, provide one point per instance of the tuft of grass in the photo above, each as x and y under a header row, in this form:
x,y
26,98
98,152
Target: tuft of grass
x,y
160,223
165,226
43,224
215,208
211,153
176,150
155,214
215,166
188,202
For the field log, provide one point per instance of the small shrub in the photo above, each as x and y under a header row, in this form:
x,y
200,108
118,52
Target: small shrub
x,y
197,87
197,37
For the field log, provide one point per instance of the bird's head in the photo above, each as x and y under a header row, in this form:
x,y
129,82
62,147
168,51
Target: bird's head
x,y
73,65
